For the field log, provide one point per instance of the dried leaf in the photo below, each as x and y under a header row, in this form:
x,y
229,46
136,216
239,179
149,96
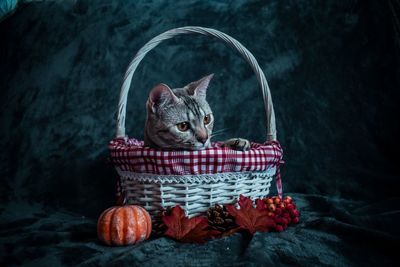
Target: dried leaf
x,y
250,218
261,206
230,232
181,228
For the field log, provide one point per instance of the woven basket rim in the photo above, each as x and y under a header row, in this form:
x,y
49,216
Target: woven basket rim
x,y
194,179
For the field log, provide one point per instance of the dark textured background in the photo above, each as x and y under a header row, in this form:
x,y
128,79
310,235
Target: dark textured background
x,y
333,68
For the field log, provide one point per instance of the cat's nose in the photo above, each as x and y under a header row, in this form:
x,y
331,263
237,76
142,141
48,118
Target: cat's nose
x,y
202,136
203,140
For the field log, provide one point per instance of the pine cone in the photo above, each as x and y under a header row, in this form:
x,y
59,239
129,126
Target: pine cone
x,y
158,227
219,218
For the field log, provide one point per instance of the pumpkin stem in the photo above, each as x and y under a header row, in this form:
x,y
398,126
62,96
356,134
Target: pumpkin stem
x,y
125,199
122,200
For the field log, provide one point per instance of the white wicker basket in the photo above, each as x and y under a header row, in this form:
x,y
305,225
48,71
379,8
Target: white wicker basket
x,y
195,193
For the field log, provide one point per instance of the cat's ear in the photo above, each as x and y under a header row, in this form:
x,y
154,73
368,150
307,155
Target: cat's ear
x,y
160,95
199,88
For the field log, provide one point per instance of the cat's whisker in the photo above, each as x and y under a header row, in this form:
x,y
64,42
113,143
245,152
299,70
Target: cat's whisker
x,y
213,135
221,130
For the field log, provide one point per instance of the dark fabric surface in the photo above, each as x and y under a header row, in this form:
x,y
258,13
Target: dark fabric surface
x,y
332,232
333,69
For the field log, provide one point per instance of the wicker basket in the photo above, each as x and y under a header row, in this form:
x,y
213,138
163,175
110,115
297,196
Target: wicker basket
x,y
146,179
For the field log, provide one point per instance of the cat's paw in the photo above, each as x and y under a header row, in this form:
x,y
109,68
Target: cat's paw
x,y
238,144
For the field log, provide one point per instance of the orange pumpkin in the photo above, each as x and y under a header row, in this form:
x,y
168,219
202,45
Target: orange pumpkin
x,y
126,225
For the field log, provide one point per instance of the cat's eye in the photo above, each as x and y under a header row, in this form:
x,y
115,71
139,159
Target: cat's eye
x,y
183,126
207,119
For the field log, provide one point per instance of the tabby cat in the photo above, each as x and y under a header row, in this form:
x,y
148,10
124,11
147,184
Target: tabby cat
x,y
181,119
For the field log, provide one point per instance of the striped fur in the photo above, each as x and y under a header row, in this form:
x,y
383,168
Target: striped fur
x,y
166,108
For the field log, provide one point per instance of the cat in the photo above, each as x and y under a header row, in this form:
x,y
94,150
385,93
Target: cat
x,y
181,118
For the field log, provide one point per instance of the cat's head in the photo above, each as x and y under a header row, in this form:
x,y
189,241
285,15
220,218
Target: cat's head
x,y
179,118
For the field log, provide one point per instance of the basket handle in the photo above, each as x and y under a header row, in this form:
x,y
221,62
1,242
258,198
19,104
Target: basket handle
x,y
269,109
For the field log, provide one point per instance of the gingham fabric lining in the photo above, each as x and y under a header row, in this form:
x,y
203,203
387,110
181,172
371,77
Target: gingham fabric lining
x,y
130,155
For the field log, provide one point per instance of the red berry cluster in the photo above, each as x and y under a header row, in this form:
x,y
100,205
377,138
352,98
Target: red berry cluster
x,y
283,212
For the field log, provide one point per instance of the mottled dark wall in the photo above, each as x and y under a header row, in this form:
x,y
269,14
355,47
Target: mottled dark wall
x,y
333,68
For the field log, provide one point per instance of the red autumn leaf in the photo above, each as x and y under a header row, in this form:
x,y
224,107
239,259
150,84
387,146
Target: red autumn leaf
x,y
181,228
261,206
250,218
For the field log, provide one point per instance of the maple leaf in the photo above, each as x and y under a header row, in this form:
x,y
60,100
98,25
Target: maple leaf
x,y
261,206
181,228
250,218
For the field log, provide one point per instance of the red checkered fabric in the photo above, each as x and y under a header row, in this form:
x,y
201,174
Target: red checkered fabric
x,y
131,155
